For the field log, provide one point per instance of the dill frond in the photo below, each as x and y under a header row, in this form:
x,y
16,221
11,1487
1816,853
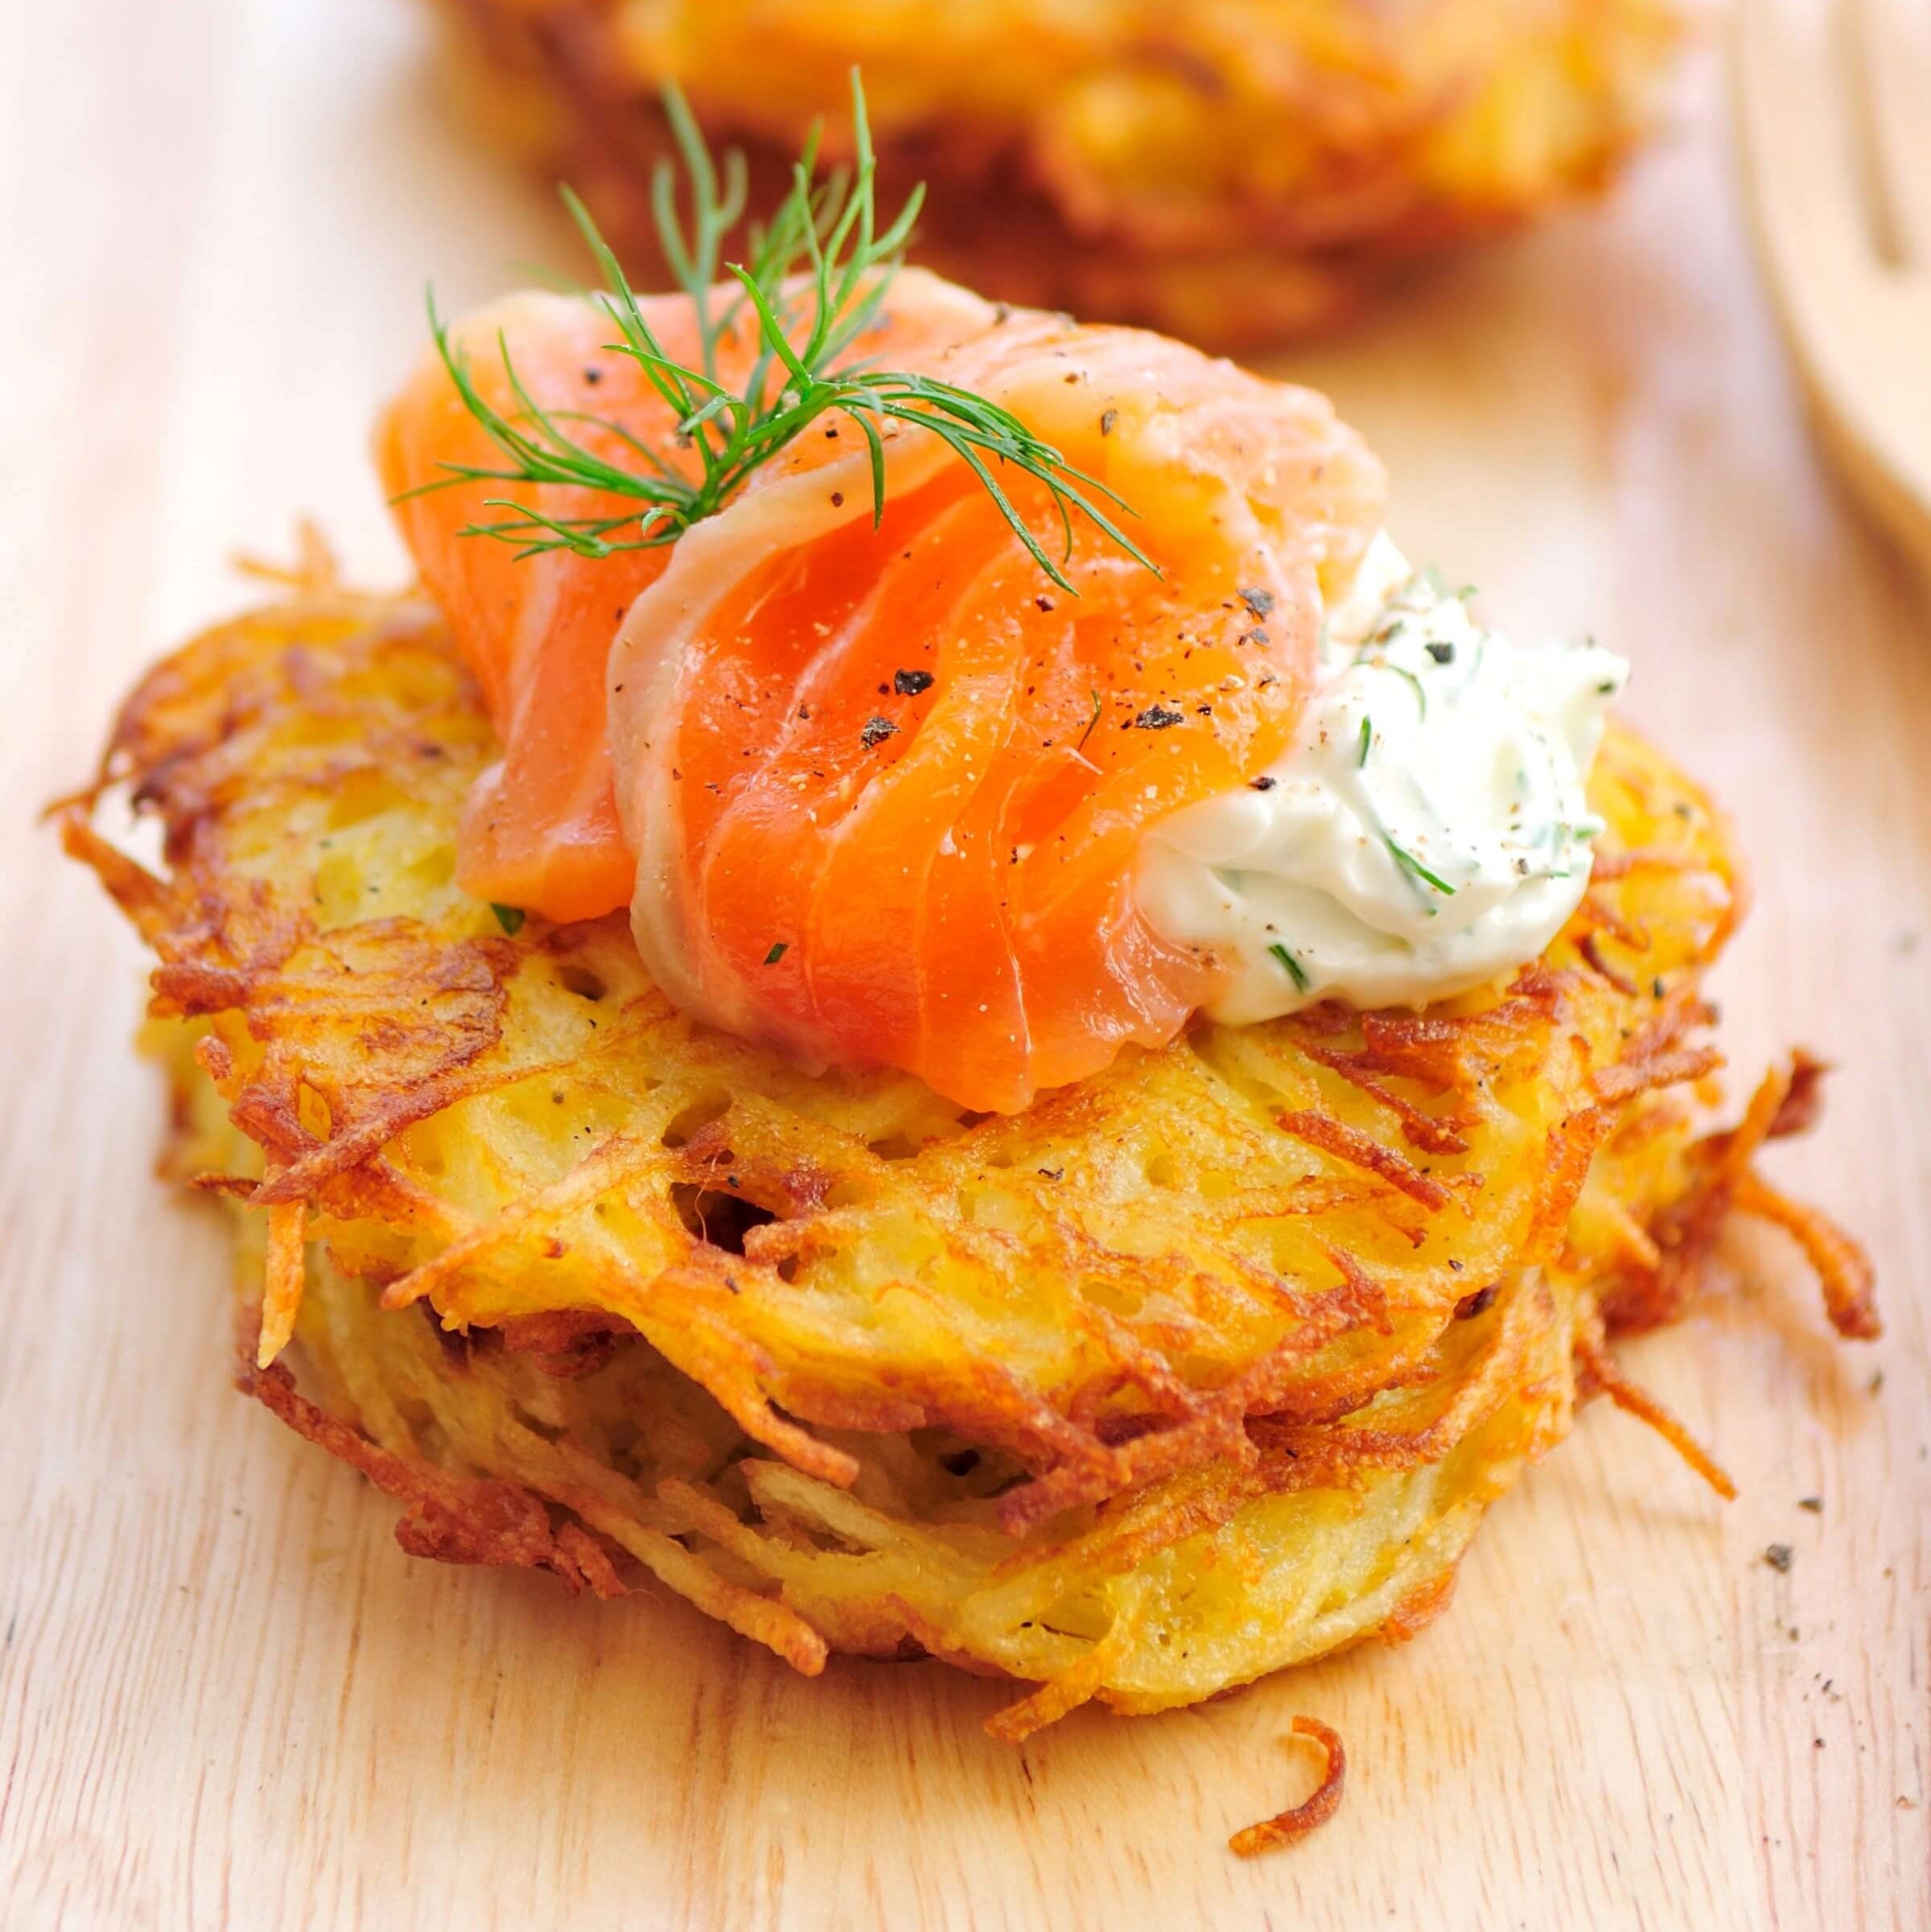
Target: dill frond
x,y
816,281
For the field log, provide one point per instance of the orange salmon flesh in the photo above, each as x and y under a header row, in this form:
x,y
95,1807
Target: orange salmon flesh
x,y
873,793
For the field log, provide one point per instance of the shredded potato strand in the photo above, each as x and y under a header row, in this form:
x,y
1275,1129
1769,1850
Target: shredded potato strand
x,y
1634,1401
286,1272
1314,1810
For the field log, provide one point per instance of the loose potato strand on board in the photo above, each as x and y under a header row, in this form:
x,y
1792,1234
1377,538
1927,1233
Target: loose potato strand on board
x,y
1842,1267
1601,1370
1314,1810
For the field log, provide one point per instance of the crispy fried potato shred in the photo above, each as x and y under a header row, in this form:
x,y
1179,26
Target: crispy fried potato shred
x,y
1314,1810
1205,1367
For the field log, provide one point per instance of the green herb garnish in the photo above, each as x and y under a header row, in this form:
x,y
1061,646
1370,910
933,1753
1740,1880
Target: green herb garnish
x,y
1421,697
777,951
1367,739
1409,863
815,283
1296,970
510,917
1090,723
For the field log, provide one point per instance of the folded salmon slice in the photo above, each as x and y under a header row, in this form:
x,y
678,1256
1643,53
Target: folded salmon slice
x,y
885,785
541,829
874,794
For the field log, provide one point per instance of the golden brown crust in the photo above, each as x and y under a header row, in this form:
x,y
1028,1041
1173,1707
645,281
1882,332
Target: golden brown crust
x,y
1232,174
1196,1251
495,1523
1076,1397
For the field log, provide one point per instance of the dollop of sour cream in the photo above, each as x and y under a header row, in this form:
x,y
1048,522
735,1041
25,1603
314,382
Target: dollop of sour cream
x,y
1428,830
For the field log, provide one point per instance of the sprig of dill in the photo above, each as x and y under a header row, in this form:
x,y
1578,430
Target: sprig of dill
x,y
815,283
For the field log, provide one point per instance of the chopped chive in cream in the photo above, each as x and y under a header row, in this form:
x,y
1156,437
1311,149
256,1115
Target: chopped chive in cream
x,y
1296,970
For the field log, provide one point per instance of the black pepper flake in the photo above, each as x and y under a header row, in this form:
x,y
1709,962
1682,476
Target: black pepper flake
x,y
1052,1173
1441,653
1259,601
1779,1556
1107,421
1814,1504
1477,1303
1157,717
837,499
909,684
876,731
1256,636
1002,311
1264,783
593,376
1045,604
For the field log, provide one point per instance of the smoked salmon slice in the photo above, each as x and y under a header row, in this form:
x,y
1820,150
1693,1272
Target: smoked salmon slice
x,y
874,792
886,785
541,829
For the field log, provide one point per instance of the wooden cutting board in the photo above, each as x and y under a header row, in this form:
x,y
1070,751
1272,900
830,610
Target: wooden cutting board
x,y
227,1699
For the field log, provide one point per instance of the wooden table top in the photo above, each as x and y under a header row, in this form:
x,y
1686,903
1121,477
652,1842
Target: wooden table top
x,y
227,1699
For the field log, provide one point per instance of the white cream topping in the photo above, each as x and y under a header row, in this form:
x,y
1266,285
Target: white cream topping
x,y
1428,830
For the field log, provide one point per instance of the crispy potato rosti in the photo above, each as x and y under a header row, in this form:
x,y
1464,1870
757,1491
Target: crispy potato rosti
x,y
1228,173
1198,1368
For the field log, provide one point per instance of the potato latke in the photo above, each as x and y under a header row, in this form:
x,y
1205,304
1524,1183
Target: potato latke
x,y
1227,173
1199,1368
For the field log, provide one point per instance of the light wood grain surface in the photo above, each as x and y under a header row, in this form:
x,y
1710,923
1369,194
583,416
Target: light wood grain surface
x,y
226,1700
